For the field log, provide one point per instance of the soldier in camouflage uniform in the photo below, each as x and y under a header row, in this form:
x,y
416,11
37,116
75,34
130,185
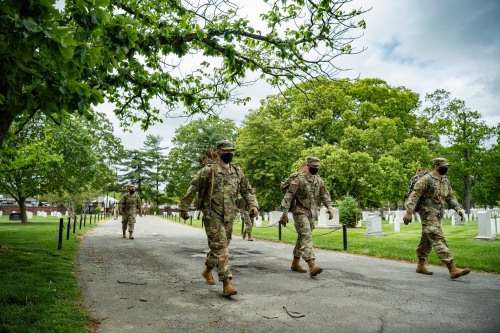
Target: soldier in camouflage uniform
x,y
129,206
431,200
217,186
303,197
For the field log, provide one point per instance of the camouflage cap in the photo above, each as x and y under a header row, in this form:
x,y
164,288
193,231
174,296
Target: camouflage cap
x,y
440,161
311,160
225,145
131,186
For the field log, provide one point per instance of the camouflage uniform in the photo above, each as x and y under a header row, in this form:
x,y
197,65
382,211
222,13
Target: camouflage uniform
x,y
245,218
219,209
129,206
303,197
431,211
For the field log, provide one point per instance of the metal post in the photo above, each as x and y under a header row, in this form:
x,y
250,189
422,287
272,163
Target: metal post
x,y
74,224
191,220
81,218
90,219
69,227
279,231
84,220
242,225
344,231
61,227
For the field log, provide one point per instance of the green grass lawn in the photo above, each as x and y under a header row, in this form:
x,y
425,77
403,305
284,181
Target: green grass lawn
x,y
38,289
477,255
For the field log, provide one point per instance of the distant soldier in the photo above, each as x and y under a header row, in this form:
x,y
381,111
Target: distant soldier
x,y
431,193
217,186
305,192
129,206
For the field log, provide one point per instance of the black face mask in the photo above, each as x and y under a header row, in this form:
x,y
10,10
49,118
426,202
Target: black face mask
x,y
443,170
132,192
313,171
226,157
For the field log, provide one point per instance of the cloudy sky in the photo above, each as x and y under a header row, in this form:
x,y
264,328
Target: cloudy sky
x,y
423,45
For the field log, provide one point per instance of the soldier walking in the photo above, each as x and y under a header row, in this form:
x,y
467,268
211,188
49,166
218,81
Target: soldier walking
x,y
129,206
305,192
431,193
217,185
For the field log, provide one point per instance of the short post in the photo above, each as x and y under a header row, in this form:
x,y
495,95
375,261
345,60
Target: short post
x,y
242,225
344,232
68,228
81,218
191,220
84,220
74,224
90,219
279,228
61,227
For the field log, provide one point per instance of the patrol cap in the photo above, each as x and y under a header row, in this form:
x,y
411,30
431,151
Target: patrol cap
x,y
311,160
131,186
440,161
225,145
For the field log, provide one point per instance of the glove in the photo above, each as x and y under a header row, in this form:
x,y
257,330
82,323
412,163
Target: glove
x,y
184,214
461,213
330,213
253,212
407,218
284,219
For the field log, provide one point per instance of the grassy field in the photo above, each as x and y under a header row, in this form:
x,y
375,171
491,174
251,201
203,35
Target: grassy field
x,y
38,289
477,255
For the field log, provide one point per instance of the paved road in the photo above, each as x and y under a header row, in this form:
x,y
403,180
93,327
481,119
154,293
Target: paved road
x,y
153,284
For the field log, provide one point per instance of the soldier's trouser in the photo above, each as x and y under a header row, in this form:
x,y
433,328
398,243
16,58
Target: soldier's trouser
x,y
433,237
303,246
116,213
248,224
219,237
128,220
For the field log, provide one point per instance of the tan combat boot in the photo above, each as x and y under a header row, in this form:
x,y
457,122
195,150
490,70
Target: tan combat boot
x,y
456,272
244,234
207,274
250,237
130,235
229,289
421,267
313,269
296,265
124,234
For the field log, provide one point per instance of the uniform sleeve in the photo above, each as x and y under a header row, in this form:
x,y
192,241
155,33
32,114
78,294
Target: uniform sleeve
x,y
139,204
250,199
325,196
418,190
196,185
451,200
289,195
120,204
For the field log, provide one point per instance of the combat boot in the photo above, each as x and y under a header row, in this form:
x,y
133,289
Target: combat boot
x,y
229,289
244,234
130,235
296,265
456,272
421,267
207,274
250,237
313,269
124,234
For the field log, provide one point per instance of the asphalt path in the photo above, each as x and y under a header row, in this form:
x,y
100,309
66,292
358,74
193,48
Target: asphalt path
x,y
153,284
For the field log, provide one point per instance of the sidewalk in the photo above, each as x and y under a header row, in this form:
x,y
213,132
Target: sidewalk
x,y
153,284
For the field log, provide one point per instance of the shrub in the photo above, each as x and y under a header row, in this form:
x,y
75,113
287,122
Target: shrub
x,y
349,212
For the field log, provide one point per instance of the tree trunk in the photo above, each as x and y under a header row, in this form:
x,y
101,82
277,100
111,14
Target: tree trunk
x,y
22,208
6,119
467,194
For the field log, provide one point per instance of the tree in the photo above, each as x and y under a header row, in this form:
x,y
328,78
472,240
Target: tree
x,y
134,53
154,159
190,142
467,136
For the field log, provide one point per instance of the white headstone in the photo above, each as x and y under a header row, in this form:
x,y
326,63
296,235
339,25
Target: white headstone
x,y
455,218
266,216
484,228
374,226
258,221
324,221
398,216
493,227
29,215
498,225
274,218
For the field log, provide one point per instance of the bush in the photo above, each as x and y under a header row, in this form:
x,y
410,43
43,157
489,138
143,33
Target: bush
x,y
154,209
348,211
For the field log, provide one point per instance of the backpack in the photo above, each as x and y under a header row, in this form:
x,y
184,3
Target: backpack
x,y
411,185
285,182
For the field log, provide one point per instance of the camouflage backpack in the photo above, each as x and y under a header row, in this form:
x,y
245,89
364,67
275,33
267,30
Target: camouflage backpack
x,y
428,191
285,182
